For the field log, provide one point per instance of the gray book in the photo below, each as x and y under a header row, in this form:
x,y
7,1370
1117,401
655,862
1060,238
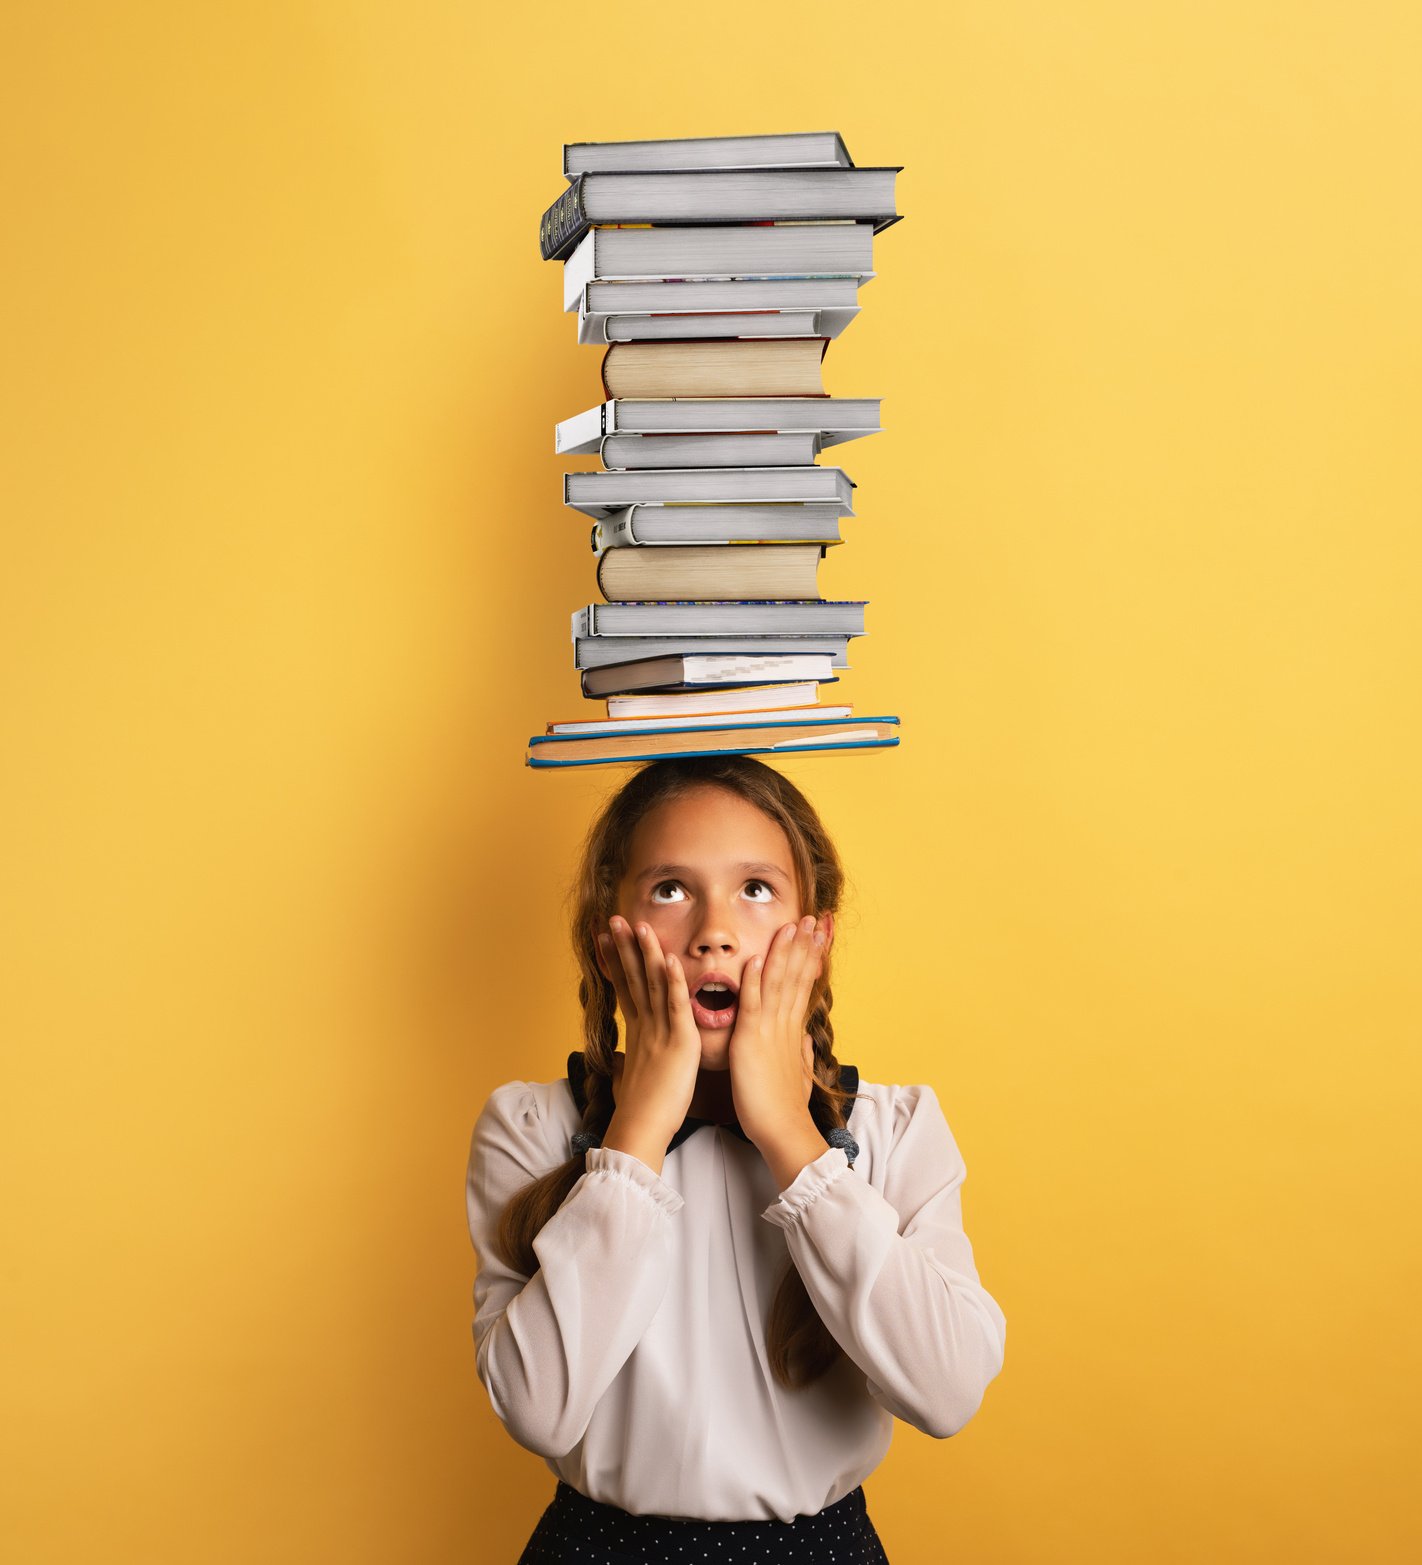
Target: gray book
x,y
597,494
596,329
832,418
798,449
804,149
755,252
668,526
726,617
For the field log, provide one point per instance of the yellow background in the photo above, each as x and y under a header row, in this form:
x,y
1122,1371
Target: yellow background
x,y
286,586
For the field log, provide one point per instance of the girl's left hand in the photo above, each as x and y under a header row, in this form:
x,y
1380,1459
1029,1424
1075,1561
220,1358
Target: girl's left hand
x,y
772,1056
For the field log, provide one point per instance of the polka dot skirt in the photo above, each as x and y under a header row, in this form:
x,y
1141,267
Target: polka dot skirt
x,y
575,1530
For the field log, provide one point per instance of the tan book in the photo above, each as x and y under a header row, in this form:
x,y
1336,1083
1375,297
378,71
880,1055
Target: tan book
x,y
775,367
710,571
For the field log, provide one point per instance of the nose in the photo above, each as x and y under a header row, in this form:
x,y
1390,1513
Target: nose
x,y
716,931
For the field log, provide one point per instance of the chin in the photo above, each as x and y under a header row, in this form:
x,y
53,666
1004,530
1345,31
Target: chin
x,y
715,1049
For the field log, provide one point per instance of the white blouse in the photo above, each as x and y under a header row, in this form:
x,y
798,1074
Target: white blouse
x,y
634,1361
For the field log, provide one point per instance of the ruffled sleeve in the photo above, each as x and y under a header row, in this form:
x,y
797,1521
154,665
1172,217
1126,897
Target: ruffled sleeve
x,y
891,1271
548,1347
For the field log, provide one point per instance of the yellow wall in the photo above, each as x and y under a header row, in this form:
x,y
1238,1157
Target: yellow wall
x,y
1137,893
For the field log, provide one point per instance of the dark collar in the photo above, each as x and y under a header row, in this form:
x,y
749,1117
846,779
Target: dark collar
x,y
577,1075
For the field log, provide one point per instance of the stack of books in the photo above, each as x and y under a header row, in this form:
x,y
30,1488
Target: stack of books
x,y
714,271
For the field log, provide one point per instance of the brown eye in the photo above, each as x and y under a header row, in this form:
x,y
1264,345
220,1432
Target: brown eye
x,y
764,886
662,886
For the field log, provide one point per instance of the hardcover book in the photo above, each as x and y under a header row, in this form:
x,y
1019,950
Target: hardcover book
x,y
746,739
717,196
803,149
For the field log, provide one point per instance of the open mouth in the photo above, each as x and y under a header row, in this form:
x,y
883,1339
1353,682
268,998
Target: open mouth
x,y
714,1005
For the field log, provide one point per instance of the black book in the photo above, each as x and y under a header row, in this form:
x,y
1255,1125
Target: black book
x,y
710,196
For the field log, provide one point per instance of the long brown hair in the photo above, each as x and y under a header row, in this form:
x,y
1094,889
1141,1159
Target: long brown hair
x,y
800,1347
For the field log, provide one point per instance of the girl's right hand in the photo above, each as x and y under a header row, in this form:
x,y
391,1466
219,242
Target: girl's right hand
x,y
663,1046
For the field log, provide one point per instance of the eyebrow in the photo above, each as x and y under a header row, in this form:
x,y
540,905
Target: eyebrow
x,y
662,871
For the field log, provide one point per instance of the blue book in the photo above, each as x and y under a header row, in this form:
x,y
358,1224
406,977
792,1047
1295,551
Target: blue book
x,y
764,737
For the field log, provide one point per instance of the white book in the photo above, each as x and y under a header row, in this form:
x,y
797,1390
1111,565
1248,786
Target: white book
x,y
700,720
593,652
673,670
747,698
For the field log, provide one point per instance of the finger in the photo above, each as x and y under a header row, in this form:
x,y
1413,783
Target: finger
x,y
656,968
772,975
809,976
616,976
797,952
629,952
678,994
748,1000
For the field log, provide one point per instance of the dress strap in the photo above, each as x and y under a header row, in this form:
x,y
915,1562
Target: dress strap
x,y
578,1071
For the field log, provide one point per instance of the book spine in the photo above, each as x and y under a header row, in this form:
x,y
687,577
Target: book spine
x,y
563,224
613,533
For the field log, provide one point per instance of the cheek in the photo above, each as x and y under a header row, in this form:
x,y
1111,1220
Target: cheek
x,y
764,925
668,922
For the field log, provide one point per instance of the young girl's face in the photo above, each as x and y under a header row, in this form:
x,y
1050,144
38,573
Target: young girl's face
x,y
715,879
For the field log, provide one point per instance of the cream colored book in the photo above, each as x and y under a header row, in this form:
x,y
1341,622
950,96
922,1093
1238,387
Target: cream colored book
x,y
772,367
713,571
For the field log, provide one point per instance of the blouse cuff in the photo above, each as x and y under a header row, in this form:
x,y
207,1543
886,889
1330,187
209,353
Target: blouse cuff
x,y
807,1187
615,1164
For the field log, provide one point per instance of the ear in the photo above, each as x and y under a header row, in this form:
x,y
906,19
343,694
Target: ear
x,y
601,961
827,920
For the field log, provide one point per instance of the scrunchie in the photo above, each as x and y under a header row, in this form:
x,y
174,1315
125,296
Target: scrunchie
x,y
583,1140
840,1137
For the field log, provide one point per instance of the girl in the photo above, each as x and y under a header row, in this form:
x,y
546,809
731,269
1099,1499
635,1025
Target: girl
x,y
715,1266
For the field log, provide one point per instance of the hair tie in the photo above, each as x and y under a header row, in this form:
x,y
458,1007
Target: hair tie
x,y
583,1140
840,1137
